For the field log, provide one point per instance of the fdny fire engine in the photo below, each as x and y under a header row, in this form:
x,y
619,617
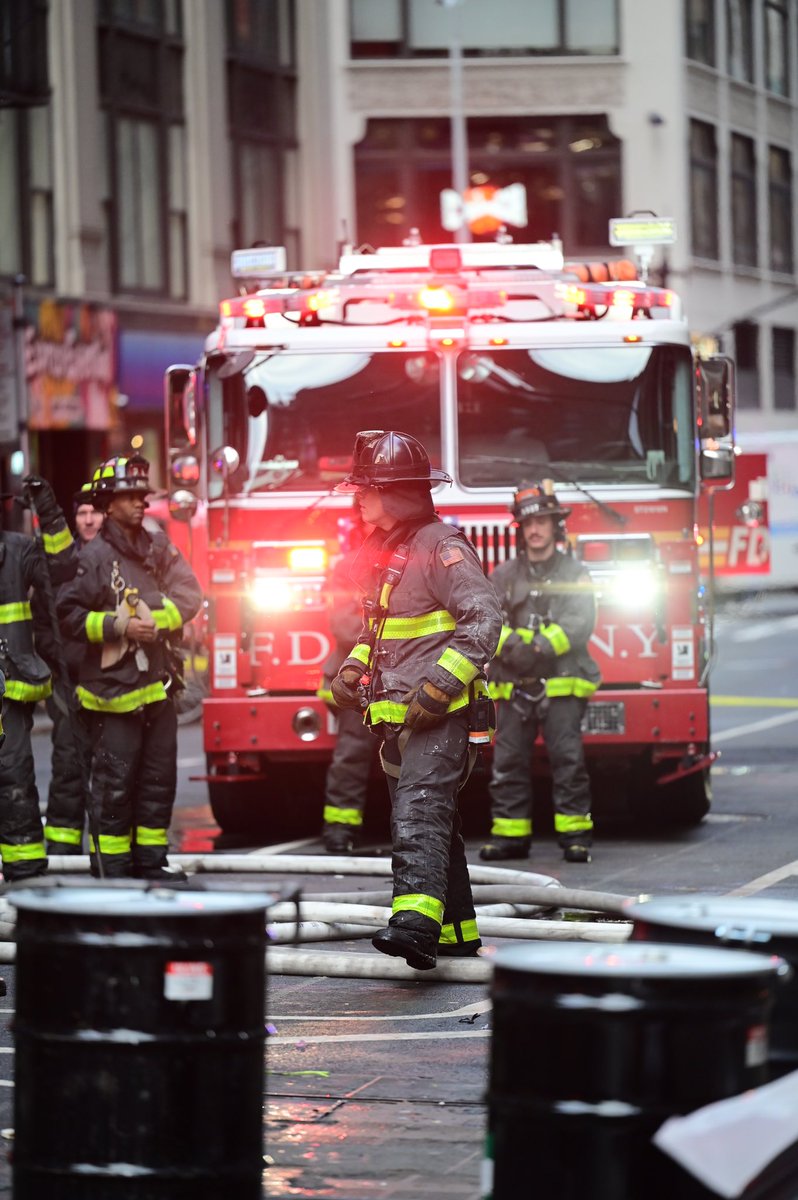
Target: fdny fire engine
x,y
509,365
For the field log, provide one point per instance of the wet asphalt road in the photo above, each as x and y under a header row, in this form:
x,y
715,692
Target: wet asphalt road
x,y
376,1088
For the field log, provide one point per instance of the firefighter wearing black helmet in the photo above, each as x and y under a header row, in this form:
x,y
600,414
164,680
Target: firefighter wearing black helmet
x,y
127,605
27,569
543,675
432,623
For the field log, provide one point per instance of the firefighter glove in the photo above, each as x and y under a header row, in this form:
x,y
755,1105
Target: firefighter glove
x,y
426,707
526,660
41,498
345,688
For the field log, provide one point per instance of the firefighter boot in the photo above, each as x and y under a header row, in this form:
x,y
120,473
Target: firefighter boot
x,y
500,848
411,937
338,838
577,853
459,949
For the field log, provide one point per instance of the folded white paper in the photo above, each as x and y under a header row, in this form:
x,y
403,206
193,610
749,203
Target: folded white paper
x,y
727,1144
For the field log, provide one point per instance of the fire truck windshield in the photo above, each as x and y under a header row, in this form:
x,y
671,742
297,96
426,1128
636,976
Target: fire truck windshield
x,y
599,414
293,417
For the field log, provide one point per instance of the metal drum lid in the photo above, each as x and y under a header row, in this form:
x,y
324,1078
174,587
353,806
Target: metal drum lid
x,y
636,960
744,920
135,902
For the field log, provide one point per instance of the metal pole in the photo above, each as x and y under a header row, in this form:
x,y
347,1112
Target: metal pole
x,y
22,383
460,173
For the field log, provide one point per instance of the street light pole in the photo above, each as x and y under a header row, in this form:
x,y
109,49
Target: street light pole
x,y
460,173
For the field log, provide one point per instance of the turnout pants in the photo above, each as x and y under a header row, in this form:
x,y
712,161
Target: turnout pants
x,y
71,764
133,784
511,779
21,837
431,887
348,773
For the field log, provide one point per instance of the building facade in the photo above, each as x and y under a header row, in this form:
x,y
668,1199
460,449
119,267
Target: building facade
x,y
154,136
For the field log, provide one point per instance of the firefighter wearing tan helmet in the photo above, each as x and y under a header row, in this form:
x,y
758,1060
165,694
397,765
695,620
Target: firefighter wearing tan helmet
x,y
432,621
127,605
542,677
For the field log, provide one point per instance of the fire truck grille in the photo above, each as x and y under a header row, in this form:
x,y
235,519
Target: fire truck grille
x,y
604,717
494,543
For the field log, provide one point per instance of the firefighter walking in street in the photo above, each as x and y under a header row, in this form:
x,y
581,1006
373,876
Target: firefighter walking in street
x,y
71,756
28,570
127,605
432,624
542,676
347,780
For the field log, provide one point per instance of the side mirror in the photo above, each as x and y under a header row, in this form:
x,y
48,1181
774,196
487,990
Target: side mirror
x,y
717,464
180,400
182,505
715,398
715,420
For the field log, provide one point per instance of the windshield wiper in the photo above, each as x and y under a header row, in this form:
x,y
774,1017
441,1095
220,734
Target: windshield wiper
x,y
607,509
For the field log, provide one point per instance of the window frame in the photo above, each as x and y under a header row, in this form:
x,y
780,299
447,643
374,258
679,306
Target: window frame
x,y
707,168
164,110
701,38
745,220
781,9
780,196
745,51
403,48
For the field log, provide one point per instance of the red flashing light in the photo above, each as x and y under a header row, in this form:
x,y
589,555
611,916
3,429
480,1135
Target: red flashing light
x,y
632,337
445,260
397,343
254,309
498,341
436,299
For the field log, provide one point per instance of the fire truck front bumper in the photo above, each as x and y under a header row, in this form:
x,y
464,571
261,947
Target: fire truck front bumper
x,y
670,721
281,728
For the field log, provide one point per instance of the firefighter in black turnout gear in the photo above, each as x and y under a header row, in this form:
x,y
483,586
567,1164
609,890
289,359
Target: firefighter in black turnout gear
x,y
132,593
347,780
542,676
67,796
432,623
28,569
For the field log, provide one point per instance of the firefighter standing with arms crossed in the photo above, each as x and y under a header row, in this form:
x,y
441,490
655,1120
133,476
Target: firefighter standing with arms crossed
x,y
433,622
543,675
67,796
127,604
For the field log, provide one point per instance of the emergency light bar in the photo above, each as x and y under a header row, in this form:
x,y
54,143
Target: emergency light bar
x,y
545,256
601,296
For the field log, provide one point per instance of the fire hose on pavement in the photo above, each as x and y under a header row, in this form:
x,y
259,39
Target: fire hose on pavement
x,y
509,904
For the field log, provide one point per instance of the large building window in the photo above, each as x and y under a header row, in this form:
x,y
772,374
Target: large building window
x,y
704,189
422,28
740,39
262,115
570,167
746,353
780,206
777,54
700,31
23,61
26,195
784,369
141,90
743,200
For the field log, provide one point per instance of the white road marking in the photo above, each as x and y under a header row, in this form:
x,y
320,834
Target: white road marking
x,y
468,1010
767,880
729,735
301,1041
763,629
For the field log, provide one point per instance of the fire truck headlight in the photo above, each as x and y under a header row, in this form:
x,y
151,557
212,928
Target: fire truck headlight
x,y
633,588
306,724
271,595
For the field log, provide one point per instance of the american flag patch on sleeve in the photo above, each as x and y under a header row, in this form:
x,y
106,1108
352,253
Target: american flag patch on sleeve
x,y
451,554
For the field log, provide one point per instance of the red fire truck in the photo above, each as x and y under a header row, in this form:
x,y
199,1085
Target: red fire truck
x,y
509,365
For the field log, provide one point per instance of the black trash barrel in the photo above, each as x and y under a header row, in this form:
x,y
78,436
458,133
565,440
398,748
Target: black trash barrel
x,y
736,922
139,1039
595,1046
